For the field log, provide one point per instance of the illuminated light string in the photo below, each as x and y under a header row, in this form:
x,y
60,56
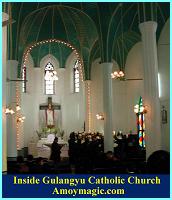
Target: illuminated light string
x,y
17,116
88,88
25,57
29,49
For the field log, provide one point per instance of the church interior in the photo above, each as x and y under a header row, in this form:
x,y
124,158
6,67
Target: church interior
x,y
86,87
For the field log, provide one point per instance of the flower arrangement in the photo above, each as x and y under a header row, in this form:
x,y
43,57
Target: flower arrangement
x,y
46,131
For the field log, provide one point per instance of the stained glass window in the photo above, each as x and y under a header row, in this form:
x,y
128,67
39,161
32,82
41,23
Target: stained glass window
x,y
49,84
76,77
140,123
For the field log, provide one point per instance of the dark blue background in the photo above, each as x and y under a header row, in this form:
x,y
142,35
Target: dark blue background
x,y
43,190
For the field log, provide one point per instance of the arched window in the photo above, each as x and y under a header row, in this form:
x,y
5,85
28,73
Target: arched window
x,y
49,83
24,79
76,76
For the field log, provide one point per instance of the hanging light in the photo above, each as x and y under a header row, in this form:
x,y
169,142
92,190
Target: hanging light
x,y
117,75
21,119
136,108
100,116
12,111
139,110
7,110
18,107
51,75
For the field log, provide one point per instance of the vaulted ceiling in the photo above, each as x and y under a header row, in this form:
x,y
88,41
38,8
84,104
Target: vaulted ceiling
x,y
97,30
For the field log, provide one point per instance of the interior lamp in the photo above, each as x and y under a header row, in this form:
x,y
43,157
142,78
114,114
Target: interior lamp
x,y
100,116
117,75
18,107
12,111
9,111
140,109
21,119
51,76
136,108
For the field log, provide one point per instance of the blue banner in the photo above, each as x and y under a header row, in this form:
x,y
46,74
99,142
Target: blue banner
x,y
86,186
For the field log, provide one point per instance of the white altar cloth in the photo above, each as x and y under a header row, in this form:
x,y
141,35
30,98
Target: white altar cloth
x,y
44,150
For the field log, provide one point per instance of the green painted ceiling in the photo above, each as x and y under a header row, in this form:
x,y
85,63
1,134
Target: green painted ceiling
x,y
59,51
105,30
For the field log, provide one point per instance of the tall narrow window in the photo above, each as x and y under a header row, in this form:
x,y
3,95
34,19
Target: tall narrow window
x,y
139,109
49,83
24,79
76,77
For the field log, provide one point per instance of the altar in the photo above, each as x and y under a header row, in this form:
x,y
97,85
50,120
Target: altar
x,y
43,147
49,127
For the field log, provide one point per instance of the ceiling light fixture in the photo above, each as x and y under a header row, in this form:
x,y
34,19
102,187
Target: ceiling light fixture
x,y
100,116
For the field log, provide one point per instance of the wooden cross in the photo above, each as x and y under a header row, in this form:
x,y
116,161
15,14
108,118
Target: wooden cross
x,y
54,105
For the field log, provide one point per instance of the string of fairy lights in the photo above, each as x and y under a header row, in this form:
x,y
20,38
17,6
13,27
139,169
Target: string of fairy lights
x,y
29,49
88,101
80,64
18,129
19,118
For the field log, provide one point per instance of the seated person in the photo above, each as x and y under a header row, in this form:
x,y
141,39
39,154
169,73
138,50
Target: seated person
x,y
159,162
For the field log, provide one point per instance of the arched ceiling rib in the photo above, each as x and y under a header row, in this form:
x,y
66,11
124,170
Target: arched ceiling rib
x,y
62,22
58,50
107,30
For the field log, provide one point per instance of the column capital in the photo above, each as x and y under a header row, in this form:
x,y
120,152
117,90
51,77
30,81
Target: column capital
x,y
13,61
149,26
107,64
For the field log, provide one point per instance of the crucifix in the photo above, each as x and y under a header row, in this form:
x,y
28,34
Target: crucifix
x,y
54,105
49,112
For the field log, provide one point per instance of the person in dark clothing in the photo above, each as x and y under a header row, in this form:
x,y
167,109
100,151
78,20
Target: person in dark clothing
x,y
21,165
159,162
72,148
55,151
121,140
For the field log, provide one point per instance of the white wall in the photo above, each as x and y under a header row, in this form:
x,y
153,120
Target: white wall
x,y
164,80
134,88
125,93
12,66
72,105
97,96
